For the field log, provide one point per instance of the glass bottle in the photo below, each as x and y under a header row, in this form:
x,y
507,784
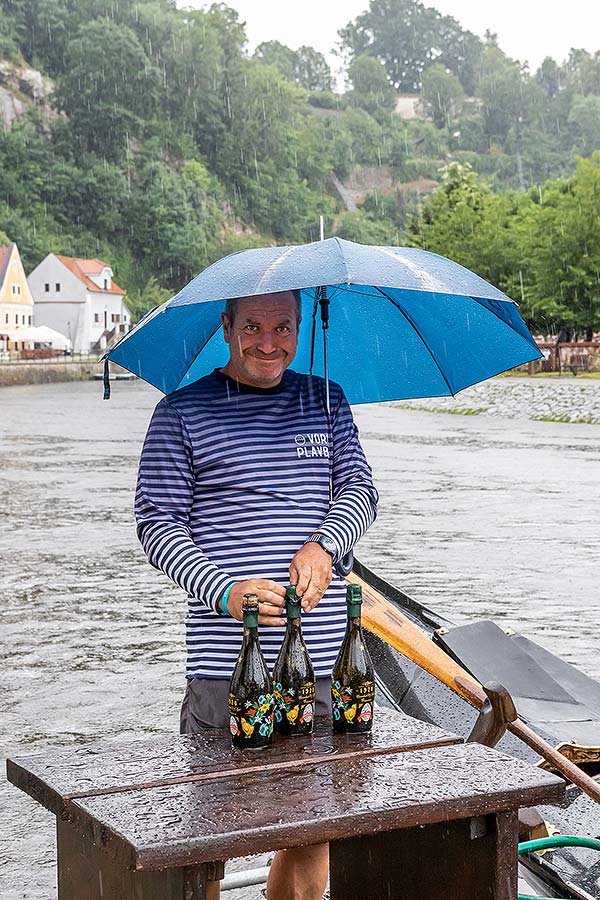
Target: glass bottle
x,y
352,679
293,676
250,700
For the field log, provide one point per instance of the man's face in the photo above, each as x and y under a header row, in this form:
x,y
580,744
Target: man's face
x,y
262,338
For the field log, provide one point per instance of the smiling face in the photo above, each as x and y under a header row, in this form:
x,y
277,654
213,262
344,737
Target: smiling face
x,y
262,338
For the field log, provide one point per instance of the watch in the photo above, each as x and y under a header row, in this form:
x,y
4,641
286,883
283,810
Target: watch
x,y
326,543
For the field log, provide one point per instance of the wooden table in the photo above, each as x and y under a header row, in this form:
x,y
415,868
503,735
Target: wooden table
x,y
410,812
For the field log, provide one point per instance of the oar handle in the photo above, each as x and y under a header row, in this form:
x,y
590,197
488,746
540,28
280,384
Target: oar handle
x,y
556,759
388,623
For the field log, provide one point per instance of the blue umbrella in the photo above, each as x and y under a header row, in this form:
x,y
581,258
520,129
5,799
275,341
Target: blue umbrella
x,y
404,323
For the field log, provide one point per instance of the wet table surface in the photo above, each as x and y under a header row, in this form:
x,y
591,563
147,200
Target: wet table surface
x,y
182,801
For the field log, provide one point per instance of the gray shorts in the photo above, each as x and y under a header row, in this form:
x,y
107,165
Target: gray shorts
x,y
205,703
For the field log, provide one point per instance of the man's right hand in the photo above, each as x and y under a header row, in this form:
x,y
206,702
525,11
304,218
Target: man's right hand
x,y
271,600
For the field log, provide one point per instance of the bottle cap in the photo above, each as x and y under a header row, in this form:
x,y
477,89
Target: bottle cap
x,y
250,610
354,600
292,602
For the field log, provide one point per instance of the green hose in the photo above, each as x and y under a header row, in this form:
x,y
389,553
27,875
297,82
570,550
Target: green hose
x,y
552,843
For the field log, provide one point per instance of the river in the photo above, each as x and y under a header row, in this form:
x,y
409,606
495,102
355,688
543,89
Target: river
x,y
490,515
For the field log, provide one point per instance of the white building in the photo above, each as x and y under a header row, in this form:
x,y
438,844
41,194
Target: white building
x,y
79,298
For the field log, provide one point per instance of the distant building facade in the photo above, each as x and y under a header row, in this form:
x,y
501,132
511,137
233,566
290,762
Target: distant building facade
x,y
79,298
16,302
410,107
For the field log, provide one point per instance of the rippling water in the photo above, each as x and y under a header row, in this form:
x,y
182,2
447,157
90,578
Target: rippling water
x,y
480,516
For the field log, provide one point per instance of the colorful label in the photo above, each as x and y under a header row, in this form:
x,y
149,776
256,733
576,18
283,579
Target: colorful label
x,y
251,718
353,707
296,707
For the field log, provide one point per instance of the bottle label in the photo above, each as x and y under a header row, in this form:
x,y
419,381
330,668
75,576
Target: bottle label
x,y
354,706
251,716
298,707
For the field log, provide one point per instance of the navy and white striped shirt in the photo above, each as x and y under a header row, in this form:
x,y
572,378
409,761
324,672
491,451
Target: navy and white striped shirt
x,y
232,481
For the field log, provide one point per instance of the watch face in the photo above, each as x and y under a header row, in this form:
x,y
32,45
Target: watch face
x,y
327,544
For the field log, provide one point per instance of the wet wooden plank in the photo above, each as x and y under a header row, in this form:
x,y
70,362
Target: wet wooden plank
x,y
445,861
252,812
53,778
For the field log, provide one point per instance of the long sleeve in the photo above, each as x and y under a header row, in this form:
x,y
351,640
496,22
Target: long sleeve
x,y
354,505
163,501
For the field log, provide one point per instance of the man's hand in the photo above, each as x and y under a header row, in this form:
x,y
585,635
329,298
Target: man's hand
x,y
271,600
310,571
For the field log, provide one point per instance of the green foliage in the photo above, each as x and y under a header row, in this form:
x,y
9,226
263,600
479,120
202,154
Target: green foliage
x,y
109,90
174,147
365,229
371,89
148,297
406,37
305,66
443,94
9,38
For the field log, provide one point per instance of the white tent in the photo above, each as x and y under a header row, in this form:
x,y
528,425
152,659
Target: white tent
x,y
44,336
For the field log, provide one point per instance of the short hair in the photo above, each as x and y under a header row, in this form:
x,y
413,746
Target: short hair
x,y
231,306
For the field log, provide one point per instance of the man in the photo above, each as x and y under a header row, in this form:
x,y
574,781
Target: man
x,y
233,497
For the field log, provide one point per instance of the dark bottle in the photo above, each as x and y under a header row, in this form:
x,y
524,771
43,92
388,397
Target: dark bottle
x,y
250,700
293,676
352,679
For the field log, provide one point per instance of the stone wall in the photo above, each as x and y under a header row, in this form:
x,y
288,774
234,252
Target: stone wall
x,y
42,371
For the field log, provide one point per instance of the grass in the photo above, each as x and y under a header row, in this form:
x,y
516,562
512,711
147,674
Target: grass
x,y
465,411
573,420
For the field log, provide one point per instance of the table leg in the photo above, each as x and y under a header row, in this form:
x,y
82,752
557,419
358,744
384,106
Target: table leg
x,y
474,858
87,872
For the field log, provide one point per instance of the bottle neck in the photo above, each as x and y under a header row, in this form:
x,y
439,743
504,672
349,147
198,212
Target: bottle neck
x,y
354,611
251,624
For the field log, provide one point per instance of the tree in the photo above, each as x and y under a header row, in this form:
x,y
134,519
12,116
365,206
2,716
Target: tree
x,y
564,248
305,66
464,221
110,88
312,70
585,116
549,77
443,94
371,89
274,53
508,94
406,37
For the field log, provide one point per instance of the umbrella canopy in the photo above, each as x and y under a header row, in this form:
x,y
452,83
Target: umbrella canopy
x,y
404,323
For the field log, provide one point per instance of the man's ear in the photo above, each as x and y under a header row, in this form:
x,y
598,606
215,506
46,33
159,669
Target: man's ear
x,y
226,328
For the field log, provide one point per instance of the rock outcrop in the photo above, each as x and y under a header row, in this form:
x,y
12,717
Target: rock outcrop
x,y
21,89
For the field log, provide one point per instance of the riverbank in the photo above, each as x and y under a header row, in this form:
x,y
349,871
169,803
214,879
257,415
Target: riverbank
x,y
50,371
568,399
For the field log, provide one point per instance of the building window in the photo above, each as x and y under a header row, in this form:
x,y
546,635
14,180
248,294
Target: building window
x,y
47,288
57,288
14,289
23,322
6,318
16,320
106,284
96,317
29,323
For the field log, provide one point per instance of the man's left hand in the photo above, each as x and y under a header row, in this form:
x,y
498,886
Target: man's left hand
x,y
310,571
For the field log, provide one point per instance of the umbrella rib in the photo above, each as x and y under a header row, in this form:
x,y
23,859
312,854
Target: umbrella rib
x,y
500,319
418,333
208,339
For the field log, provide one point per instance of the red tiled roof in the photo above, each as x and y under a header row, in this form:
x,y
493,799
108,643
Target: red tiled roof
x,y
81,268
4,257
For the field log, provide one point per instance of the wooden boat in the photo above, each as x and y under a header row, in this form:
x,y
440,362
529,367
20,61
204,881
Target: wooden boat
x,y
559,702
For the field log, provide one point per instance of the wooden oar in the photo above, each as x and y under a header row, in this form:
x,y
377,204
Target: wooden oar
x,y
383,619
